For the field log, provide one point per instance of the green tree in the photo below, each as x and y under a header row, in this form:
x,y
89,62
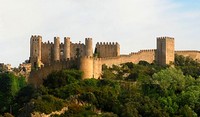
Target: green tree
x,y
9,87
61,78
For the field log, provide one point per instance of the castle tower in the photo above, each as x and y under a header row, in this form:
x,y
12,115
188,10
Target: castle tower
x,y
87,66
35,51
118,49
88,47
56,49
67,48
165,50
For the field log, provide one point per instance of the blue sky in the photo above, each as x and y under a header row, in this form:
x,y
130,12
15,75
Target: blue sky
x,y
134,24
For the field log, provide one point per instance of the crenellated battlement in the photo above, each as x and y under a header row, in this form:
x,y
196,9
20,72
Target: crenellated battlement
x,y
66,37
47,43
46,57
147,50
107,49
78,44
88,39
36,36
142,51
106,43
162,38
183,51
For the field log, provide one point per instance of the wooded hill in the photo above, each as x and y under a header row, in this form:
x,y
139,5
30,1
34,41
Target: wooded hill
x,y
128,90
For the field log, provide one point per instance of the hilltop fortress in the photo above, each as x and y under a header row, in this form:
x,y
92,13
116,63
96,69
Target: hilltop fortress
x,y
48,57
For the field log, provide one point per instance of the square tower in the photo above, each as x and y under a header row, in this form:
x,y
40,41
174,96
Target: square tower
x,y
165,50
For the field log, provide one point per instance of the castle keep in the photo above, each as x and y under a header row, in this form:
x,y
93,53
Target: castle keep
x,y
46,57
42,54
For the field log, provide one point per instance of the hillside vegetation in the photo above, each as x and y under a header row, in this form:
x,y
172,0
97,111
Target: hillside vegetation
x,y
127,90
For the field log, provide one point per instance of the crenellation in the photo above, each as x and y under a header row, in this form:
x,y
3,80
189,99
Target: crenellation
x,y
46,57
107,49
187,51
163,38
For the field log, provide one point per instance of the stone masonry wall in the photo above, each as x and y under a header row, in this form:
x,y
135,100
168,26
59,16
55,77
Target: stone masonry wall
x,y
37,76
142,55
193,54
107,49
107,53
47,50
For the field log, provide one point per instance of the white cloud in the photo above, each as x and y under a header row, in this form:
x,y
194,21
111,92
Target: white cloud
x,y
133,23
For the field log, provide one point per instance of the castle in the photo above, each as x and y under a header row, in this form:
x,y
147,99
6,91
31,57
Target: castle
x,y
48,57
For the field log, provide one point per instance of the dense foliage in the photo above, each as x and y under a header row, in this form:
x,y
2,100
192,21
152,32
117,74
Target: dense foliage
x,y
9,87
127,90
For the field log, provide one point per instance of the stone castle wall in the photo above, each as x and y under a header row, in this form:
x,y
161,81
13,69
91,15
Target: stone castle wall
x,y
142,55
92,66
37,76
77,49
44,55
188,53
106,49
47,52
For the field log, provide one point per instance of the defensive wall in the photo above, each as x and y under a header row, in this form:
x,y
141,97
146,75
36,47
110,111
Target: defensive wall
x,y
48,57
38,75
191,53
107,49
92,66
42,53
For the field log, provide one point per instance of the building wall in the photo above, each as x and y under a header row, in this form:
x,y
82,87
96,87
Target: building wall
x,y
77,49
42,54
58,56
142,55
47,52
107,49
37,76
192,54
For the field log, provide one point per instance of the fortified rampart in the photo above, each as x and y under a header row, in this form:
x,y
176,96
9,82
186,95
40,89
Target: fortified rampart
x,y
42,54
37,75
142,55
105,49
192,54
48,57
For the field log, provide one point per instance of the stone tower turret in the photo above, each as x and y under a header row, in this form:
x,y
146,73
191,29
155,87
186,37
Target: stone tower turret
x,y
35,51
56,49
88,47
87,66
165,50
67,44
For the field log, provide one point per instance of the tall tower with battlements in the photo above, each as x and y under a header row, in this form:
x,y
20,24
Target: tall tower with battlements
x,y
67,48
35,51
56,49
165,50
88,47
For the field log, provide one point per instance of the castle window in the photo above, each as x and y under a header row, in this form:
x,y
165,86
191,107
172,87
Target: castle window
x,y
61,53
